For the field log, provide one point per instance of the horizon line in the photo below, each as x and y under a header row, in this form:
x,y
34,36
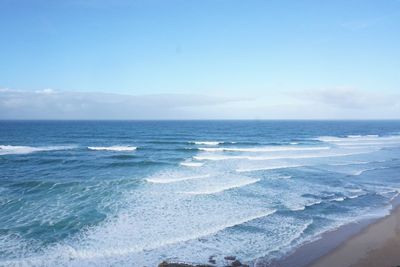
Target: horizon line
x,y
311,119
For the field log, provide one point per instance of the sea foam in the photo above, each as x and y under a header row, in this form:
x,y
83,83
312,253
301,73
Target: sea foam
x,y
191,164
113,148
8,149
207,143
175,179
262,149
220,188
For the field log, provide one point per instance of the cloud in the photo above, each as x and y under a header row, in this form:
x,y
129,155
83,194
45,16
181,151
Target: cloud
x,y
334,103
349,98
52,104
45,91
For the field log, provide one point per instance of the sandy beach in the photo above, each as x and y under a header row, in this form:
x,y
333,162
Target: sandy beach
x,y
378,245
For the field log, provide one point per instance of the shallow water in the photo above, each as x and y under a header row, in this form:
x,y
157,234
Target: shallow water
x,y
133,193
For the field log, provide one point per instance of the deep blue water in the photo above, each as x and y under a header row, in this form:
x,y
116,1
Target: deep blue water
x,y
133,193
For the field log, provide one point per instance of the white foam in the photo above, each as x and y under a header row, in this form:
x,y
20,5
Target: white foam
x,y
7,149
300,208
265,168
350,163
359,139
357,173
66,255
175,179
207,143
112,148
219,189
339,199
361,136
356,196
191,164
262,149
287,156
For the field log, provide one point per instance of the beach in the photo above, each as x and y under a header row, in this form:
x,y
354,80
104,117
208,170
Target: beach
x,y
378,245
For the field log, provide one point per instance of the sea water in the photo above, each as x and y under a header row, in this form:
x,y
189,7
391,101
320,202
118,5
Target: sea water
x,y
134,193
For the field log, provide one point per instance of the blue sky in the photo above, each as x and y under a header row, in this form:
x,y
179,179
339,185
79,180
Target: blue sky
x,y
262,59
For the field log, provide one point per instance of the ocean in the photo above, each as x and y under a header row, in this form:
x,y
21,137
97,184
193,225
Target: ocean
x,y
134,193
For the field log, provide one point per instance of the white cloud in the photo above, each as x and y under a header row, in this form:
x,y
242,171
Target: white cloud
x,y
46,91
335,103
51,104
349,98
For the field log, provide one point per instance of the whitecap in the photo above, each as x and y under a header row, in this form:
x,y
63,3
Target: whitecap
x,y
220,188
287,156
175,179
265,168
303,207
360,140
357,196
191,164
285,177
339,199
112,148
261,149
207,143
8,149
358,173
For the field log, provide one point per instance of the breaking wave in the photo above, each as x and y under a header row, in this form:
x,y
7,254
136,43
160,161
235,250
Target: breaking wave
x,y
113,148
8,149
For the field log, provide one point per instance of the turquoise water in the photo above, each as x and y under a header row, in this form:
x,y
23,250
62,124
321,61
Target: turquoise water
x,y
133,193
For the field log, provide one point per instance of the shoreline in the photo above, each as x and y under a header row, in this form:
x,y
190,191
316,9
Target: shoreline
x,y
377,245
373,241
369,242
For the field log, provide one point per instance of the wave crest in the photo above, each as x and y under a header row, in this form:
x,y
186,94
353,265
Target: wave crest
x,y
8,149
112,148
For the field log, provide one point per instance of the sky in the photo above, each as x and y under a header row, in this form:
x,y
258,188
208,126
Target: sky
x,y
192,59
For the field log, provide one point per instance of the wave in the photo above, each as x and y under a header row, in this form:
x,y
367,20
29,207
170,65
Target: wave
x,y
223,157
336,199
343,198
369,143
176,179
261,149
220,189
358,173
350,163
124,156
339,199
360,136
360,139
306,206
356,196
66,255
269,168
112,148
207,143
8,149
206,232
191,164
285,177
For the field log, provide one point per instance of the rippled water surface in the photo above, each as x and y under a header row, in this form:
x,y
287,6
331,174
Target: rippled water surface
x,y
131,193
